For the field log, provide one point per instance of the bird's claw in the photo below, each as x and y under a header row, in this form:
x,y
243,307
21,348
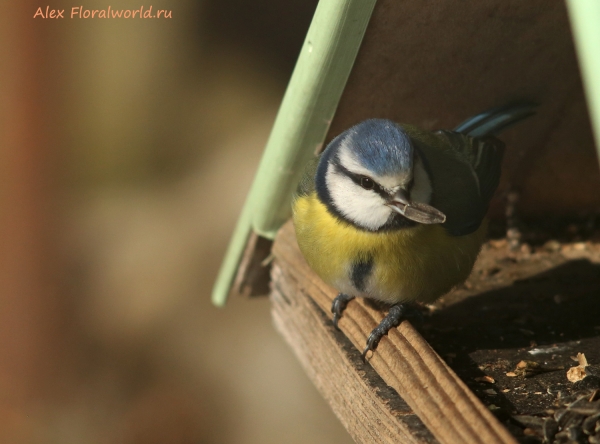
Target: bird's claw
x,y
372,343
338,306
393,318
395,315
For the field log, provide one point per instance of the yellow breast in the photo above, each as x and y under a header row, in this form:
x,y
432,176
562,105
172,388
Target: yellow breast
x,y
418,263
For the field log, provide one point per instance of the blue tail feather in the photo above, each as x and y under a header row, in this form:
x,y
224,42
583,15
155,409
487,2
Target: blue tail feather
x,y
496,120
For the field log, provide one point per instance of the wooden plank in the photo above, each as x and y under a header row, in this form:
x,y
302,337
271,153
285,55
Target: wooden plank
x,y
253,273
370,410
404,360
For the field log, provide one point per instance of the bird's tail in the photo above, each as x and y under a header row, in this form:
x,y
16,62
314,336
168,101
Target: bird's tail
x,y
496,120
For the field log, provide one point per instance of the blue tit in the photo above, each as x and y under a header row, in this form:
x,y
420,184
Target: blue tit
x,y
395,213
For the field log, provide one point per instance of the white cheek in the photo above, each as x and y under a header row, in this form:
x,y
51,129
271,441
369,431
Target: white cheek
x,y
363,207
421,190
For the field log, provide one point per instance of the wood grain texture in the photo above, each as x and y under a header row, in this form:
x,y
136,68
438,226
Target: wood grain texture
x,y
368,408
404,360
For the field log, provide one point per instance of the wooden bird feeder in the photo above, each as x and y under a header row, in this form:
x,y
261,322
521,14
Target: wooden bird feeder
x,y
433,64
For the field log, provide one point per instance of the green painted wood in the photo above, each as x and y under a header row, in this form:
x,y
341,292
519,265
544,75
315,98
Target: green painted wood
x,y
232,257
308,107
585,26
306,111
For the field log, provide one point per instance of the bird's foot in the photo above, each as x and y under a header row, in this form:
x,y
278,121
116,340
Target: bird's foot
x,y
393,318
338,306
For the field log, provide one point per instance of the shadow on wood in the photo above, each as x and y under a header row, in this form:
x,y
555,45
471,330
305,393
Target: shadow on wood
x,y
547,318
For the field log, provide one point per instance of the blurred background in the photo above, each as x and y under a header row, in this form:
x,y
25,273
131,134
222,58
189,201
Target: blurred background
x,y
127,147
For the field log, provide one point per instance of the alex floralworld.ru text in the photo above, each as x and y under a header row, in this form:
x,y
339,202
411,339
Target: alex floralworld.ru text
x,y
79,12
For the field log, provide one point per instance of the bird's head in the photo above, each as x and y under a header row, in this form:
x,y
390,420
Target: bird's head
x,y
371,176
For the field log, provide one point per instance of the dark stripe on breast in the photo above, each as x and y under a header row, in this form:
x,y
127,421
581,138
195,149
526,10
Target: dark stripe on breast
x,y
360,272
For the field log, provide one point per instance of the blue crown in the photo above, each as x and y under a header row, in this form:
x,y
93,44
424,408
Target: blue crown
x,y
381,146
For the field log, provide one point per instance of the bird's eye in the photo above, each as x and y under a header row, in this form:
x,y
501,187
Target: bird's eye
x,y
367,183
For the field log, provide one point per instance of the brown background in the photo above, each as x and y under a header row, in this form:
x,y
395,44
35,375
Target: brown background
x,y
126,150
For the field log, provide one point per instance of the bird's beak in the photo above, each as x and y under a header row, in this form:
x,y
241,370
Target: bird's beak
x,y
401,197
415,211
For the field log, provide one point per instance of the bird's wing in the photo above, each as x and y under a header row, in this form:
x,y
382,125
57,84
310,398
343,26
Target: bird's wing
x,y
483,155
307,182
465,172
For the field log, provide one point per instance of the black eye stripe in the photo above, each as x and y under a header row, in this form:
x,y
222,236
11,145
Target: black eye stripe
x,y
357,179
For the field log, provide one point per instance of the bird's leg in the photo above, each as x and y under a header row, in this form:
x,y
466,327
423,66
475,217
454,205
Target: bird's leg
x,y
393,318
338,306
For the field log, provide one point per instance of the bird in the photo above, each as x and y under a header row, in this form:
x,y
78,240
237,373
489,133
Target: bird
x,y
397,214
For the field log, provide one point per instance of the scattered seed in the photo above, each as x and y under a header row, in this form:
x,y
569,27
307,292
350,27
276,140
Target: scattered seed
x,y
527,369
552,245
575,433
500,243
549,429
529,432
577,373
485,378
529,421
568,418
589,424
